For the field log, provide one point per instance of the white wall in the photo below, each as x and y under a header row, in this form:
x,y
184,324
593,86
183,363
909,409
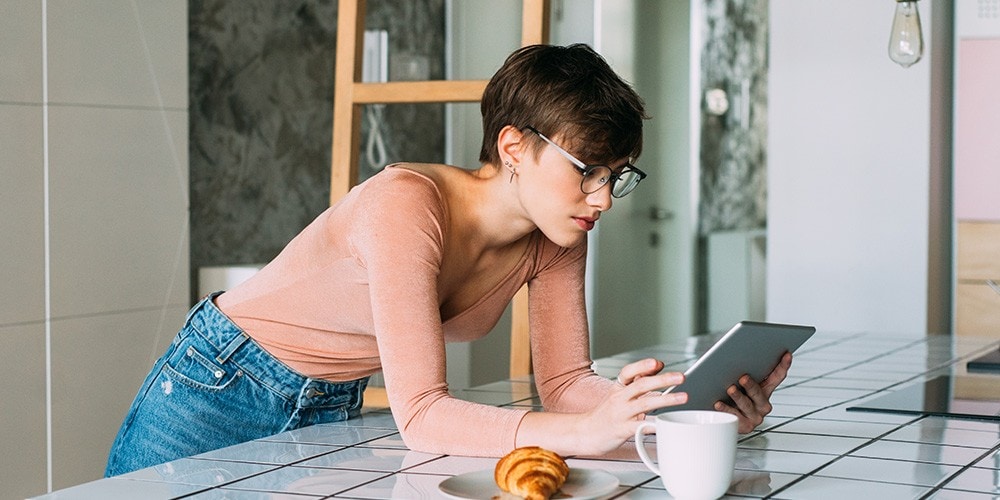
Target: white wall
x,y
853,160
93,224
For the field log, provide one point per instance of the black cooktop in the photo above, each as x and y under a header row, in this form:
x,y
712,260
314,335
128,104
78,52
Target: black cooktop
x,y
987,363
939,397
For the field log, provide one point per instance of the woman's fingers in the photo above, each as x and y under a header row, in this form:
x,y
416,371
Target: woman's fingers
x,y
645,394
752,400
649,404
640,386
777,376
755,393
756,399
750,404
642,368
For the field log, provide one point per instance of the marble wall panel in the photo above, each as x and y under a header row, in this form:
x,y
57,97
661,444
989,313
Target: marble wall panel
x,y
734,144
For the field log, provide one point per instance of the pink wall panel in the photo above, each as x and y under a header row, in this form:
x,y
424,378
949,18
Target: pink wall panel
x,y
977,131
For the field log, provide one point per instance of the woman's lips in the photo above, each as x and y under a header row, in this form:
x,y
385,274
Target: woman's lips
x,y
585,223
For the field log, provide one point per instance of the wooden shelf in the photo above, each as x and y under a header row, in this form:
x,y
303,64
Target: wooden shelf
x,y
435,91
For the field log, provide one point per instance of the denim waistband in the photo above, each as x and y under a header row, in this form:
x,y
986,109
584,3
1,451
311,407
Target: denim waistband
x,y
236,346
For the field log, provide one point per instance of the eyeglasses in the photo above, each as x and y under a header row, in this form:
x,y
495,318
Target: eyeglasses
x,y
596,177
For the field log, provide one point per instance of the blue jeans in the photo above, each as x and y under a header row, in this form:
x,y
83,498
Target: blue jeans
x,y
216,387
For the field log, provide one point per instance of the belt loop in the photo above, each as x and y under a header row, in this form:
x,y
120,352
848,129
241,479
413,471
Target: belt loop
x,y
293,419
234,344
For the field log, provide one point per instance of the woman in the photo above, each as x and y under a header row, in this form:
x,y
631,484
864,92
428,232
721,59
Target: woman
x,y
420,255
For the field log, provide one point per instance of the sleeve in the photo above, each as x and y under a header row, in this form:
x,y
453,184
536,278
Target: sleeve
x,y
560,342
399,233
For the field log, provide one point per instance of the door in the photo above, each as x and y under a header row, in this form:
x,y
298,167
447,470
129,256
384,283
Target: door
x,y
642,281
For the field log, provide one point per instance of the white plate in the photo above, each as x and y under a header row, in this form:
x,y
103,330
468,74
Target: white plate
x,y
581,484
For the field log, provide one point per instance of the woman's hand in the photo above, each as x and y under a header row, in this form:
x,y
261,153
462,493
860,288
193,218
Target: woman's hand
x,y
615,419
752,401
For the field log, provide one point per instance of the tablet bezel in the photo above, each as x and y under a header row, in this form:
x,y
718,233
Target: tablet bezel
x,y
749,347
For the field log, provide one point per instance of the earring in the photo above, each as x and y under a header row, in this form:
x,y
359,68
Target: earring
x,y
513,171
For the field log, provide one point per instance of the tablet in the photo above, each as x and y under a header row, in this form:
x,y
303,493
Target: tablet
x,y
748,347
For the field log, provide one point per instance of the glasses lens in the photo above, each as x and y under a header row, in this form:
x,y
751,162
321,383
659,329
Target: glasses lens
x,y
595,178
625,183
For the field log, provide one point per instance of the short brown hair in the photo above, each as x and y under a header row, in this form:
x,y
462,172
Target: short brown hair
x,y
570,92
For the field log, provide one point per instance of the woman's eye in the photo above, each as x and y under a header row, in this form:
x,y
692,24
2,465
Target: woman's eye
x,y
600,175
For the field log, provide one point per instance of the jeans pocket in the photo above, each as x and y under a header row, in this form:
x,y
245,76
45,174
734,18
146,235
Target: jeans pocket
x,y
199,371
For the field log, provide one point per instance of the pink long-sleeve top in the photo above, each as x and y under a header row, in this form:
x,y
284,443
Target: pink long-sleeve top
x,y
356,292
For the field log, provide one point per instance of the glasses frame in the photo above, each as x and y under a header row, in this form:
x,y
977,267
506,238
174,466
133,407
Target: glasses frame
x,y
585,169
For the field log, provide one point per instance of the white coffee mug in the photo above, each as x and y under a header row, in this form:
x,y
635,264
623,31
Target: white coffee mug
x,y
696,452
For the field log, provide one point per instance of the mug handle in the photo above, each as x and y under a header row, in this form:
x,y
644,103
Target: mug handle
x,y
641,448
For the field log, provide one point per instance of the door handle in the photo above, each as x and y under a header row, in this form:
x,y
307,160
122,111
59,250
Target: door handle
x,y
657,213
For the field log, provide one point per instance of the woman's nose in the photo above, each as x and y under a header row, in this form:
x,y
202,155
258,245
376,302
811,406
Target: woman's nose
x,y
600,199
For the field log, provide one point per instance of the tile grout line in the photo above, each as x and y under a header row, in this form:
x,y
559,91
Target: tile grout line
x,y
876,391
871,440
388,474
48,246
944,482
93,105
811,473
831,458
834,405
805,415
49,318
276,467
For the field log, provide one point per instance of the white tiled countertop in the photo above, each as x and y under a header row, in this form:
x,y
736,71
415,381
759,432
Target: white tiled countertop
x,y
809,447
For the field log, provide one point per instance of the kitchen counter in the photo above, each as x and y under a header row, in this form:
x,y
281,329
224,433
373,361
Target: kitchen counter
x,y
811,446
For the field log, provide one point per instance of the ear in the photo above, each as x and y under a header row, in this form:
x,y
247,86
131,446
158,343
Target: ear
x,y
510,144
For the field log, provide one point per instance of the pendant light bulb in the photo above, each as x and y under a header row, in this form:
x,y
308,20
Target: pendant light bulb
x,y
906,44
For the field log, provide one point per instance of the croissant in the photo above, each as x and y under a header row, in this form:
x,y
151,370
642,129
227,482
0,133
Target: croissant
x,y
531,472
